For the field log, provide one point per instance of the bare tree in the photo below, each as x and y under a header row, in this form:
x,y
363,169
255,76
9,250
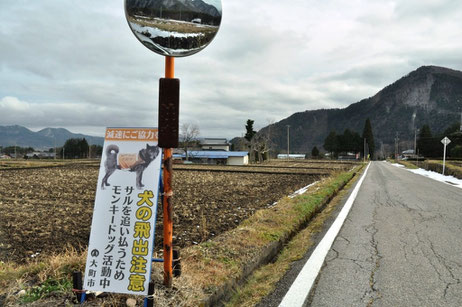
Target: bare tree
x,y
261,143
188,136
258,147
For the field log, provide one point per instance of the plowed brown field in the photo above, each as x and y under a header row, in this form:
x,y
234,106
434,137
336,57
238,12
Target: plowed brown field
x,y
44,210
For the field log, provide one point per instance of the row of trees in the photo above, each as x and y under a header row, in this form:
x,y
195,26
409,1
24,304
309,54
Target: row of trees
x,y
75,149
72,149
259,144
19,151
429,145
79,149
351,141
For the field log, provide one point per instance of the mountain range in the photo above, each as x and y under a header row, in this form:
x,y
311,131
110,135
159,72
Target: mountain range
x,y
429,95
197,6
43,139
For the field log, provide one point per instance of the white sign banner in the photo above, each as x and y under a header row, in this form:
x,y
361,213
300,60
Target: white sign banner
x,y
122,230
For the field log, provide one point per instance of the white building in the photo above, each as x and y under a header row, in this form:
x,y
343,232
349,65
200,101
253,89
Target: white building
x,y
238,158
215,144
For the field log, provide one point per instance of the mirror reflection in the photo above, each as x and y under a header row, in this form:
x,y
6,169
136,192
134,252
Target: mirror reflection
x,y
174,27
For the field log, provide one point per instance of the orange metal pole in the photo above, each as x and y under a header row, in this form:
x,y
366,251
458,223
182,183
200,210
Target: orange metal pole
x,y
169,67
168,193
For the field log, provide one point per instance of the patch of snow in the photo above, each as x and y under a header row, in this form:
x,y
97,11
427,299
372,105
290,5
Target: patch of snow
x,y
155,32
294,194
438,177
165,50
451,180
302,190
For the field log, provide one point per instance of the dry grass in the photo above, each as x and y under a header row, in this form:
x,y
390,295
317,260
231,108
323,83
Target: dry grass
x,y
263,281
33,163
27,163
57,268
408,164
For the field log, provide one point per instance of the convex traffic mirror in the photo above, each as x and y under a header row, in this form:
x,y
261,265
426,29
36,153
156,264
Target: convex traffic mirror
x,y
175,28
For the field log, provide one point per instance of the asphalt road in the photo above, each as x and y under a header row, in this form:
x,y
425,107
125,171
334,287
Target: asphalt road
x,y
401,245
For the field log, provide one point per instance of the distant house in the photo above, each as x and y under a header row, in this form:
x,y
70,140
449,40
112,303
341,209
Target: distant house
x,y
40,155
215,144
349,156
216,157
5,157
408,154
291,156
196,20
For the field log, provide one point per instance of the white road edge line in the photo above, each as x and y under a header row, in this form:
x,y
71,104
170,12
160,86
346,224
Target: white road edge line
x,y
300,289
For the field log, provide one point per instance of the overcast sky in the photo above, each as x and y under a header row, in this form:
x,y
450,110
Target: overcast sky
x,y
77,65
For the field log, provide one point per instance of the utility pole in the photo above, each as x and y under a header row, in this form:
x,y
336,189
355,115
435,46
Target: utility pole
x,y
364,153
415,131
396,151
367,150
381,149
288,142
460,109
460,120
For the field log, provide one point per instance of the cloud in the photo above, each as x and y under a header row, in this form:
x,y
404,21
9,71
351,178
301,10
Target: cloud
x,y
77,64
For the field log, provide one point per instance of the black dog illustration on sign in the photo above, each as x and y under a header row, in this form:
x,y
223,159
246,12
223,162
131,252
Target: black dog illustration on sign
x,y
130,162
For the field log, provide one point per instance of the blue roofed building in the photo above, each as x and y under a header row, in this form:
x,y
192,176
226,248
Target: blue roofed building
x,y
212,151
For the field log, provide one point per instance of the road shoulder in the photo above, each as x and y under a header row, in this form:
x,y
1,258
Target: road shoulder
x,y
312,237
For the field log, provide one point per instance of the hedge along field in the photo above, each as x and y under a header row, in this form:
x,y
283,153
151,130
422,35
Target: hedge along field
x,y
44,210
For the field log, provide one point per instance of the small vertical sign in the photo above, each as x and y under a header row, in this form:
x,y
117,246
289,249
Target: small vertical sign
x,y
445,142
122,231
